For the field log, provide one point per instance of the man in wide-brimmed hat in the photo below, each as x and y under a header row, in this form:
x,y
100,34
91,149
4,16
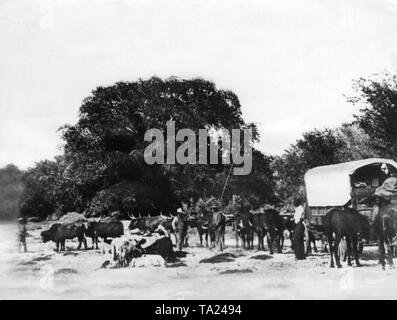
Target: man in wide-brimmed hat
x,y
179,226
385,194
217,226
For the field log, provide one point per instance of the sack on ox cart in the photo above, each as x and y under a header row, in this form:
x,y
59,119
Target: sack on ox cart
x,y
388,190
72,217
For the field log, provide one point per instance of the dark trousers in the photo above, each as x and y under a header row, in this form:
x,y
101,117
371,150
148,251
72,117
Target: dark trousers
x,y
22,243
299,247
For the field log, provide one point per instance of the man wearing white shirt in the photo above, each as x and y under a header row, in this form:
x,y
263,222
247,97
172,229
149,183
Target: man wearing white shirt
x,y
299,214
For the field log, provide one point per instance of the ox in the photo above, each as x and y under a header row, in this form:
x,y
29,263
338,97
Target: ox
x,y
268,223
60,232
216,226
244,229
124,249
179,227
150,224
111,229
161,246
201,224
176,225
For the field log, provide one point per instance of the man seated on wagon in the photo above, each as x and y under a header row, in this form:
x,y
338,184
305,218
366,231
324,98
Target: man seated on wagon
x,y
385,194
385,197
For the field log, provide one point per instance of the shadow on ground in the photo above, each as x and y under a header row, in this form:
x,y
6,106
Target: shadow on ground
x,y
223,257
247,270
42,258
66,271
261,257
176,264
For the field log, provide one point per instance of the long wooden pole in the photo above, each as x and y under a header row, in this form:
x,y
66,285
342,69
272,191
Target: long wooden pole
x,y
228,175
227,179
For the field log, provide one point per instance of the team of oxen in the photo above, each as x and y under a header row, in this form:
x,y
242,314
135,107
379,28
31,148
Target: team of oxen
x,y
123,246
210,227
339,224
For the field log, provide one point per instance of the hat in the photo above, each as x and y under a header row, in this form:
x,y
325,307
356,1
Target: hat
x,y
214,206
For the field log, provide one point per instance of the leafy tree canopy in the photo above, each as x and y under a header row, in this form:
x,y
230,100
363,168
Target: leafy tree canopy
x,y
377,96
103,163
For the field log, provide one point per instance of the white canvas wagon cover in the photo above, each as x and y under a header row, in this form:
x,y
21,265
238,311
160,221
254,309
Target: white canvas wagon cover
x,y
330,185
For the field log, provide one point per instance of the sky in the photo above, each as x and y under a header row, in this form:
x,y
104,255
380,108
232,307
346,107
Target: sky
x,y
291,62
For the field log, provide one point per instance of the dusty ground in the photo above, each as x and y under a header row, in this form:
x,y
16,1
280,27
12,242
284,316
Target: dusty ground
x,y
42,273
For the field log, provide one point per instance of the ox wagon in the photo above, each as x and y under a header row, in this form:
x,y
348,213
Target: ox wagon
x,y
345,184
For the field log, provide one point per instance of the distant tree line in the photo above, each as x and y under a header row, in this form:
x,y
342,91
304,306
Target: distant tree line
x,y
10,192
102,168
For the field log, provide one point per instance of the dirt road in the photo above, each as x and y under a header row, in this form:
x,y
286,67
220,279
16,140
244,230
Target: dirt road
x,y
43,273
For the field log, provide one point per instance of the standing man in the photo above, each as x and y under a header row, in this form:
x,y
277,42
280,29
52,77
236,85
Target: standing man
x,y
299,229
179,226
22,233
216,226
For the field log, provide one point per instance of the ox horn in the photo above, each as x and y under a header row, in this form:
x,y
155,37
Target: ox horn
x,y
132,217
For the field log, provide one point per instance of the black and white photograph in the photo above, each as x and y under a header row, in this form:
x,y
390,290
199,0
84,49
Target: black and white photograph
x,y
198,150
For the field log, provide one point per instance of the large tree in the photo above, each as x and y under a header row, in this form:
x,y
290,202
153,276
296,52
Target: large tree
x,y
357,144
104,151
315,148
